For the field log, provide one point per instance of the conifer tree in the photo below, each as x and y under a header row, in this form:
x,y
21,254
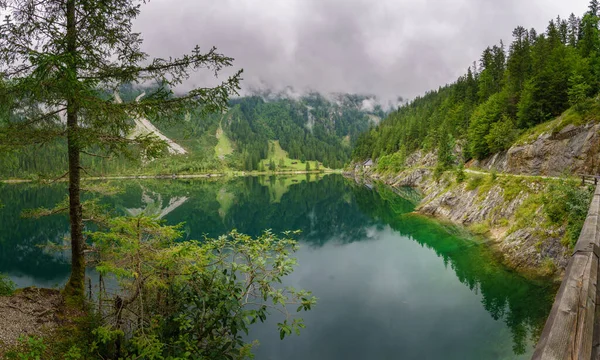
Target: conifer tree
x,y
60,61
573,30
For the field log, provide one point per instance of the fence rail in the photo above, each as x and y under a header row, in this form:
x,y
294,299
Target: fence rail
x,y
573,326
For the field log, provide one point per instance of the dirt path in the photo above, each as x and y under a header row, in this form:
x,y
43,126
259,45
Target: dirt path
x,y
29,312
587,180
514,175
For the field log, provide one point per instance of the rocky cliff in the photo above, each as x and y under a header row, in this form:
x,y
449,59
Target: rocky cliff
x,y
507,206
572,149
505,209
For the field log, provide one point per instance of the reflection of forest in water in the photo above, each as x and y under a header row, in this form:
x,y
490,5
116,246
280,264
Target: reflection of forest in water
x,y
331,209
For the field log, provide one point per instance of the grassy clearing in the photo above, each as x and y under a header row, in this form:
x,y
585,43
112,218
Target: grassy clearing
x,y
280,185
283,162
224,146
346,141
225,200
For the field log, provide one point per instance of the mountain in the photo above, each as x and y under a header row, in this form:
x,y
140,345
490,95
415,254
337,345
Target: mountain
x,y
311,127
286,131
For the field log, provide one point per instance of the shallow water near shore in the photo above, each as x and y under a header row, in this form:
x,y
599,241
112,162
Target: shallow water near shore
x,y
391,284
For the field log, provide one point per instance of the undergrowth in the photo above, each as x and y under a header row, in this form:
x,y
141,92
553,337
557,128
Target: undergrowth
x,y
565,203
7,286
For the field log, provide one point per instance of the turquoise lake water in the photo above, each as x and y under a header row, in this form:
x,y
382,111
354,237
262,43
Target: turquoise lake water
x,y
391,284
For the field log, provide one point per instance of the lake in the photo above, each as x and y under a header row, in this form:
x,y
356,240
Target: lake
x,y
391,284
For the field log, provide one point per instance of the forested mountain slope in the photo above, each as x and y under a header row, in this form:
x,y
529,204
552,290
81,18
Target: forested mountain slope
x,y
312,127
511,90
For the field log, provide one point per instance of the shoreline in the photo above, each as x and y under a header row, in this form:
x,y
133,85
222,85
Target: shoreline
x,y
495,241
177,176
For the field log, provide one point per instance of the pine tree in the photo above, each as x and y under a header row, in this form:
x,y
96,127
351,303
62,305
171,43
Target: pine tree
x,y
589,41
61,59
594,7
573,30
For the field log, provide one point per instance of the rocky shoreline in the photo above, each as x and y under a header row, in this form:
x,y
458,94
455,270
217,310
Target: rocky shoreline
x,y
530,249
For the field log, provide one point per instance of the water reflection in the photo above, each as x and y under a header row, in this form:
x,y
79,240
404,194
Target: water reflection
x,y
389,281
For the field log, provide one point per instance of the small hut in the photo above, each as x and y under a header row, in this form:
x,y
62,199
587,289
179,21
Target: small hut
x,y
367,164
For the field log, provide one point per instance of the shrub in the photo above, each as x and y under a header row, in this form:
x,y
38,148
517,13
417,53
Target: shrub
x,y
191,299
502,135
474,182
565,203
480,228
7,287
392,163
460,173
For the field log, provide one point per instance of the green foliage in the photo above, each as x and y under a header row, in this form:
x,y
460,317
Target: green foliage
x,y
445,151
512,186
483,118
191,299
391,163
502,135
68,58
32,348
37,348
480,228
493,175
529,211
566,203
578,90
310,128
7,286
460,173
474,182
539,78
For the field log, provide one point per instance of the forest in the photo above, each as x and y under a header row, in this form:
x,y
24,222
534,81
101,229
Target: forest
x,y
314,127
538,77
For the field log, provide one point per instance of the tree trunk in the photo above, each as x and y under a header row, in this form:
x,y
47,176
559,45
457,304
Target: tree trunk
x,y
76,286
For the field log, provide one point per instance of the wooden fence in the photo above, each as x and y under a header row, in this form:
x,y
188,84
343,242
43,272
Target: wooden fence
x,y
573,327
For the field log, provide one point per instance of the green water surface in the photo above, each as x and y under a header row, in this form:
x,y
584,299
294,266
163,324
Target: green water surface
x,y
391,284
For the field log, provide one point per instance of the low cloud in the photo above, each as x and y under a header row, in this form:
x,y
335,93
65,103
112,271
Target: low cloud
x,y
389,48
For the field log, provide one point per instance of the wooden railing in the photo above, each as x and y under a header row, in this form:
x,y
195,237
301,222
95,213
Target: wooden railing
x,y
573,327
589,178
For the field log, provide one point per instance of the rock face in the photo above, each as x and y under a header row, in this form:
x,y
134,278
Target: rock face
x,y
529,246
572,150
528,249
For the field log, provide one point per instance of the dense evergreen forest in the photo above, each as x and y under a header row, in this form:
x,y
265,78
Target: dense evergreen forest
x,y
312,127
539,77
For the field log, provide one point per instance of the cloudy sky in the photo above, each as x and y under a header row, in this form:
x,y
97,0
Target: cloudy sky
x,y
389,48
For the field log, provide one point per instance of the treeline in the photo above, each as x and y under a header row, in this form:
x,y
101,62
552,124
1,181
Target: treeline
x,y
539,77
310,129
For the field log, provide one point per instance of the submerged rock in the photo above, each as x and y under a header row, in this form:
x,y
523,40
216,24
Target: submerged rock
x,y
528,248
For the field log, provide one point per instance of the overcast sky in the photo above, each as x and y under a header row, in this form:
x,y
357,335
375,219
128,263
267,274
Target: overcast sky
x,y
389,48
